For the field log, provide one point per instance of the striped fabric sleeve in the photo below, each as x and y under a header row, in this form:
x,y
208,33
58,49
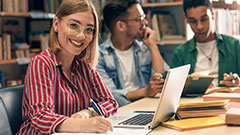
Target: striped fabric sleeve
x,y
103,96
40,93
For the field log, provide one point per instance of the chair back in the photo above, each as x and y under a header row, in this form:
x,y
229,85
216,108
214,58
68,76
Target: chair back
x,y
12,98
5,128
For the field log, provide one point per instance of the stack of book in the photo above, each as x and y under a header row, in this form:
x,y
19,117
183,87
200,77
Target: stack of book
x,y
233,97
233,116
202,109
222,90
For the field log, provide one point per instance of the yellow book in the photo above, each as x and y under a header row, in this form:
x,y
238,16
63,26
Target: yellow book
x,y
194,123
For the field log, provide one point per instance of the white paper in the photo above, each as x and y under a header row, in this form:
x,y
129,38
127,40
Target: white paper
x,y
116,131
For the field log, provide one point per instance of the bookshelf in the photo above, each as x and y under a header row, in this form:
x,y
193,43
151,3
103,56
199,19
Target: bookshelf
x,y
173,9
153,5
167,46
227,18
228,26
14,14
21,20
2,62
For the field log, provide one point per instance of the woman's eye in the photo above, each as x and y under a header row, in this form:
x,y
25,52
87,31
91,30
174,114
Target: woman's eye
x,y
73,25
90,29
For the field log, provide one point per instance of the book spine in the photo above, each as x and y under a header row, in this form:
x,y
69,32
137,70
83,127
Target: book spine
x,y
2,79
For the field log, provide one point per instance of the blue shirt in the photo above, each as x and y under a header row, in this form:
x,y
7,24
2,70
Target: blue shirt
x,y
109,67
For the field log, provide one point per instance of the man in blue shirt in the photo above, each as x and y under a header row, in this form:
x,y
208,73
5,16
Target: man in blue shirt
x,y
127,64
208,51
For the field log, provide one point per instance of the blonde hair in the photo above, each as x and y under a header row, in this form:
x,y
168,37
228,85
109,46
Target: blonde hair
x,y
68,7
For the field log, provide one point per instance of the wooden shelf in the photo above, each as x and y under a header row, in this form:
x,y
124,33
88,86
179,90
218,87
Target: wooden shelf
x,y
152,5
222,4
171,42
8,61
14,14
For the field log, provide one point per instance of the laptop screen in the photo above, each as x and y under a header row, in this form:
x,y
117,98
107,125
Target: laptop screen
x,y
170,95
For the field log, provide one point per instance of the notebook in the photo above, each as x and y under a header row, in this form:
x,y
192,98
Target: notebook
x,y
194,123
196,85
166,107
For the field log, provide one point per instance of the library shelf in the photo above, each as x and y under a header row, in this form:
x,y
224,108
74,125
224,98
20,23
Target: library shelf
x,y
2,62
14,14
151,5
171,42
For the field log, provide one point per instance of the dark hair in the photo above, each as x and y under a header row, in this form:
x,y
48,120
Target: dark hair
x,y
116,10
195,3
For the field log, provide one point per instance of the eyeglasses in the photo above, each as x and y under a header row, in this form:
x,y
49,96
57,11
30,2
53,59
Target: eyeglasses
x,y
138,19
75,28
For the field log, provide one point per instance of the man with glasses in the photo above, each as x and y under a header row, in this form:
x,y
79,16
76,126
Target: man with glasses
x,y
208,52
129,61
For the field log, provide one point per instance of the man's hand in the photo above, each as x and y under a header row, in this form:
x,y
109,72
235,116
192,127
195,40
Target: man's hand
x,y
149,38
155,85
230,80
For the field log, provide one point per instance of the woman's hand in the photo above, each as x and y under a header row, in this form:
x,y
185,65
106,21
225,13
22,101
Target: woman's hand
x,y
99,124
83,114
96,124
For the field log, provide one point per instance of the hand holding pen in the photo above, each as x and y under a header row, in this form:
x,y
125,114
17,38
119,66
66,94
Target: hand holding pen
x,y
230,80
96,108
99,112
87,113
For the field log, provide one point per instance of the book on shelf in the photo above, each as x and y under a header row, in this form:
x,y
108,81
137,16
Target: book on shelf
x,y
197,84
223,90
158,1
6,46
164,24
2,84
14,5
194,123
7,5
173,37
202,109
233,97
155,26
13,82
232,116
1,48
167,23
39,41
227,21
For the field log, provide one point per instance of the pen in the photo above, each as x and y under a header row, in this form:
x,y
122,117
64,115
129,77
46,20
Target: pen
x,y
96,108
233,80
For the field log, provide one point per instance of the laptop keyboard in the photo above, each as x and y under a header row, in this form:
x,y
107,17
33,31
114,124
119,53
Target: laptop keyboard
x,y
139,119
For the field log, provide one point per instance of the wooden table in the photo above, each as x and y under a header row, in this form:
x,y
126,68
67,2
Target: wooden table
x,y
149,104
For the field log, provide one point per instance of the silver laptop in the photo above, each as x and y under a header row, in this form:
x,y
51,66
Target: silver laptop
x,y
166,107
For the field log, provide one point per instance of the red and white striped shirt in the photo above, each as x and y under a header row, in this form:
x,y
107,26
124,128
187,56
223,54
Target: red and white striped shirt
x,y
50,97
